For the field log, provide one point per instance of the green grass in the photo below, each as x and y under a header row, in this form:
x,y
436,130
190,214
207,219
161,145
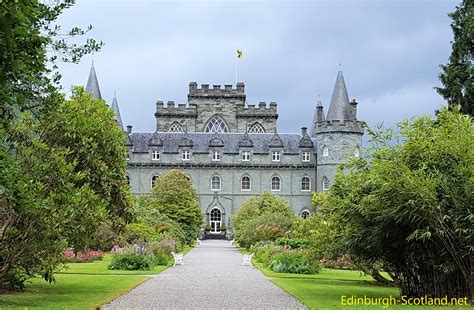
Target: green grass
x,y
100,268
324,290
71,292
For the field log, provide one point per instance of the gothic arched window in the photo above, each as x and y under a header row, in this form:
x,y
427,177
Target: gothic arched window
x,y
216,124
176,127
305,184
153,180
257,128
216,183
325,182
276,183
305,214
245,183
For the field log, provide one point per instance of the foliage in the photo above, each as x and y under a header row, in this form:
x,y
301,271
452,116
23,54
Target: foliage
x,y
161,250
130,261
294,243
458,75
138,232
293,261
174,196
410,208
92,255
263,218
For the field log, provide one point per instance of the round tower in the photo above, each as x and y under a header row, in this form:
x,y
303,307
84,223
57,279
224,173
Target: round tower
x,y
338,136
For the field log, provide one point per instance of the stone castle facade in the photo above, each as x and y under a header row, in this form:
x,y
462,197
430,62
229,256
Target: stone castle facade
x,y
231,150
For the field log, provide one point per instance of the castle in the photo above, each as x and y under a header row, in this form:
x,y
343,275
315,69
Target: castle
x,y
231,149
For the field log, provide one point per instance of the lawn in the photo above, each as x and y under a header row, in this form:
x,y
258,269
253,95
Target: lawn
x,y
71,292
324,290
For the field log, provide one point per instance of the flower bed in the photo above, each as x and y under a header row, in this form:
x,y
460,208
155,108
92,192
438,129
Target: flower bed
x,y
79,257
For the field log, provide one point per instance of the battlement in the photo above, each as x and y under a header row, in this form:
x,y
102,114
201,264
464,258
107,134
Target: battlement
x,y
170,109
262,109
216,91
352,126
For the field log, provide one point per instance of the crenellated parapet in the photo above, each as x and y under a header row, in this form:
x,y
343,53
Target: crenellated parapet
x,y
173,110
257,111
350,126
216,91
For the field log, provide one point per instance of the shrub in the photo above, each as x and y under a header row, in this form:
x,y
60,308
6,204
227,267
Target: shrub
x,y
128,261
293,262
264,252
160,251
138,232
294,243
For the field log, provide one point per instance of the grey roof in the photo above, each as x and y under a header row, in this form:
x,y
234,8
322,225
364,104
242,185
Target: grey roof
x,y
312,130
92,86
339,107
116,109
200,141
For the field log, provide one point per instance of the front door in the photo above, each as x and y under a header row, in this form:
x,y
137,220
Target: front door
x,y
215,220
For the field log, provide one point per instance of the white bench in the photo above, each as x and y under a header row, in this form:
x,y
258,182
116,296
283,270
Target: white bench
x,y
178,259
198,242
247,259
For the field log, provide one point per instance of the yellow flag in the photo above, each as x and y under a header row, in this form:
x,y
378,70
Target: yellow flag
x,y
239,53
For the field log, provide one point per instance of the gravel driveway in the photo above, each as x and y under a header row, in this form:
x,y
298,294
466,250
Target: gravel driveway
x,y
212,278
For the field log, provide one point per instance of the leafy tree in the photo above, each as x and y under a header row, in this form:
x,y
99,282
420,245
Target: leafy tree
x,y
458,75
174,196
263,218
410,207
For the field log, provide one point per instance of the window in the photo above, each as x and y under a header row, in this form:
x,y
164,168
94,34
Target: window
x,y
305,214
155,155
325,184
153,180
246,156
356,151
176,127
127,179
257,128
325,151
216,124
275,156
216,156
276,184
305,184
186,155
215,220
245,183
306,156
216,183
128,155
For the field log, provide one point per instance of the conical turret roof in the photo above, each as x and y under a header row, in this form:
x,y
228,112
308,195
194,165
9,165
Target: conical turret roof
x,y
92,86
339,107
116,109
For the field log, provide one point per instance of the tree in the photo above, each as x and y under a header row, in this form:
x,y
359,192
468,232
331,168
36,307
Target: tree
x,y
409,207
174,196
458,75
263,218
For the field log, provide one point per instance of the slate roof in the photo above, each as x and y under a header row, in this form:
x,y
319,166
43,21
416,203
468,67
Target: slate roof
x,y
92,86
339,107
171,141
116,109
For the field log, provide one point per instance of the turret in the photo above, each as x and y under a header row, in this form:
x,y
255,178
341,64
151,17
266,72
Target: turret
x,y
116,109
92,86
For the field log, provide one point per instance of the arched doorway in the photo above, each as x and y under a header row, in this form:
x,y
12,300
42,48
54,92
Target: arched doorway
x,y
215,220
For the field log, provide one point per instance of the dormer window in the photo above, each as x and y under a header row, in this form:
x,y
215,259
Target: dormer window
x,y
245,155
275,156
186,155
306,156
155,155
216,156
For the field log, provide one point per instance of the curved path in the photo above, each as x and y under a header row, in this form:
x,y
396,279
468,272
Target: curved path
x,y
212,278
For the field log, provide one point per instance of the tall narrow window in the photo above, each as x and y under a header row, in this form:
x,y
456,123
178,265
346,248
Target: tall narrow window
x,y
216,183
216,156
186,155
246,156
305,184
275,156
153,180
245,183
216,124
325,182
155,155
325,151
305,214
176,127
306,157
257,128
276,184
356,151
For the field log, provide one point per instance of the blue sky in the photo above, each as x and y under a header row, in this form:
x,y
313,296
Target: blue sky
x,y
389,51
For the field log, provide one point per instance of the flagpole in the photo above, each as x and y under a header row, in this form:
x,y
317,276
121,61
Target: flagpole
x,y
236,60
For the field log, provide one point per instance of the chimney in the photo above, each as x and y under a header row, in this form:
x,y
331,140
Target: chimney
x,y
304,131
353,109
129,129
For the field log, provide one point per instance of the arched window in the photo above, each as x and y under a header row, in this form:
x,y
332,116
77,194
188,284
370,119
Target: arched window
x,y
325,182
305,184
257,128
245,183
153,180
325,151
356,151
216,183
176,127
127,179
276,183
215,220
216,124
305,214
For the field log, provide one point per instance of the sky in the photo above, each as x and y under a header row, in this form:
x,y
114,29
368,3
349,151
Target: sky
x,y
389,52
